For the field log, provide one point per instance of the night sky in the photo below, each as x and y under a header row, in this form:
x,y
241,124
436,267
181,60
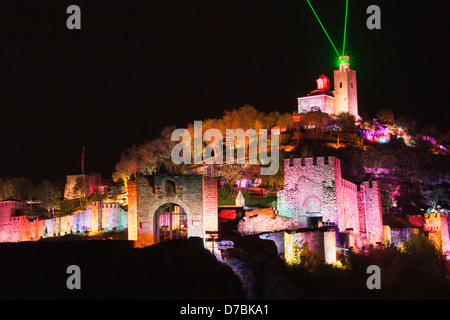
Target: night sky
x,y
138,66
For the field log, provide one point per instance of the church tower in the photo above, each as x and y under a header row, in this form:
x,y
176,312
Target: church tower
x,y
345,93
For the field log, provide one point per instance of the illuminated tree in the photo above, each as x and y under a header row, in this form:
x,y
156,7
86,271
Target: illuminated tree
x,y
149,154
231,173
130,162
286,120
49,194
17,188
242,118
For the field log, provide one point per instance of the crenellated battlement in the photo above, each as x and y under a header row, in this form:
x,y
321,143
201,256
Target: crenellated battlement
x,y
111,205
307,162
314,188
12,203
349,185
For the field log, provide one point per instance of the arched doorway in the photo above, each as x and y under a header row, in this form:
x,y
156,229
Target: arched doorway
x,y
313,206
170,222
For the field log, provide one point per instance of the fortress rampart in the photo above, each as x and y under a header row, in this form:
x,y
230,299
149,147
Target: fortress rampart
x,y
15,226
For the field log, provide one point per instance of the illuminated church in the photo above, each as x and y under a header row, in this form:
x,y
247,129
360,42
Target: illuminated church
x,y
344,98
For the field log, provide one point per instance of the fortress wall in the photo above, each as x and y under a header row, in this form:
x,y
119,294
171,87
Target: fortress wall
x,y
373,210
323,244
113,217
19,228
264,223
210,208
308,180
348,207
436,224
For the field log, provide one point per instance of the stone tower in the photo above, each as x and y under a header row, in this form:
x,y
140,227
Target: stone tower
x,y
345,92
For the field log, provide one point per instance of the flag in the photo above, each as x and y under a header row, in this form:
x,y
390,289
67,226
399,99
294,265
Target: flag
x,y
82,162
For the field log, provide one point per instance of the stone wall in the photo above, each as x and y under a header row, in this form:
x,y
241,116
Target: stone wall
x,y
310,184
373,211
263,223
436,224
348,207
97,217
210,204
314,187
323,244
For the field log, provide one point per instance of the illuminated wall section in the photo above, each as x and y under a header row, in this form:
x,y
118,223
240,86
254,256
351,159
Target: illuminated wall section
x,y
330,246
15,226
323,244
320,99
113,217
288,247
323,102
96,215
436,225
310,188
132,210
314,189
210,204
348,207
373,211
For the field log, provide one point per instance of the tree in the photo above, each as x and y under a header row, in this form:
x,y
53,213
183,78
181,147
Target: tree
x,y
407,124
315,121
385,116
436,196
430,130
49,194
130,162
242,118
275,181
149,154
231,173
346,121
286,121
17,188
82,189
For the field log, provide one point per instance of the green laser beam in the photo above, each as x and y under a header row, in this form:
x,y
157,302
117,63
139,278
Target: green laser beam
x,y
345,27
323,27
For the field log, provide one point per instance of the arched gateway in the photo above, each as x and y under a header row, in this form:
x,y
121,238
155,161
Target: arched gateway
x,y
168,206
170,222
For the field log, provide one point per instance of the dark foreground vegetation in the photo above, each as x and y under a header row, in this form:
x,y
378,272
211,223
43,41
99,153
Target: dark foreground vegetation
x,y
179,269
183,269
418,271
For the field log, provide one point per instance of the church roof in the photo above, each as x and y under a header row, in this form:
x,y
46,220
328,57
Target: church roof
x,y
316,92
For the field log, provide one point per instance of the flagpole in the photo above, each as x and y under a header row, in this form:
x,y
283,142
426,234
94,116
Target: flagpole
x,y
82,162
